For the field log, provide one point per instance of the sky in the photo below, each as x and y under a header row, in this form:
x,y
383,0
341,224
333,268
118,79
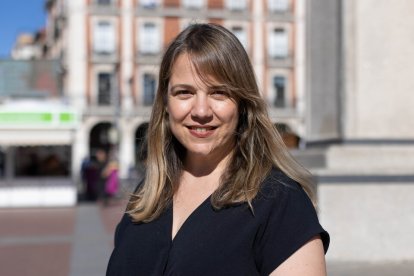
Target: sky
x,y
19,16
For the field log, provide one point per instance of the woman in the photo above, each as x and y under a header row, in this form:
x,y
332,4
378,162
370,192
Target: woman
x,y
222,196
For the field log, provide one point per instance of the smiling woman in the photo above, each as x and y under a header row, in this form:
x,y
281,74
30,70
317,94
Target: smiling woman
x,y
222,195
201,118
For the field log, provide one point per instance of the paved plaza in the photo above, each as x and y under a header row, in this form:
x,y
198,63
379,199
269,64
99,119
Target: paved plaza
x,y
73,241
78,241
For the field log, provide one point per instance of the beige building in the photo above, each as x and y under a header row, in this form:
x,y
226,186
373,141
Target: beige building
x,y
362,61
378,73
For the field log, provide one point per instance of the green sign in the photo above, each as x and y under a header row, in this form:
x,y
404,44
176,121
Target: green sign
x,y
37,118
66,117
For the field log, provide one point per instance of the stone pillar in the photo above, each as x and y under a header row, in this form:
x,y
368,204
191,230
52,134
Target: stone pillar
x,y
257,42
77,53
127,58
126,148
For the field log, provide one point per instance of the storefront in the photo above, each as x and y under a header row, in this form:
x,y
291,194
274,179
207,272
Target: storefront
x,y
36,140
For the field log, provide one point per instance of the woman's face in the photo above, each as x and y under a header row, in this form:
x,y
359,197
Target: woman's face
x,y
203,118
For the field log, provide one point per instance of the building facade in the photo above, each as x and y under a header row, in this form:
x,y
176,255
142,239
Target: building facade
x,y
110,52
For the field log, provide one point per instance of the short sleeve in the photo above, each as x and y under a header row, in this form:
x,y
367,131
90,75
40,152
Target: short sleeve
x,y
289,220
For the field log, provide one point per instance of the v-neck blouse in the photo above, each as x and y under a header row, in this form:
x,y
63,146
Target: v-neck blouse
x,y
230,241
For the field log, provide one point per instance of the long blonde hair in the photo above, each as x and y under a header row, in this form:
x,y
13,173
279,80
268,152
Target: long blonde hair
x,y
215,52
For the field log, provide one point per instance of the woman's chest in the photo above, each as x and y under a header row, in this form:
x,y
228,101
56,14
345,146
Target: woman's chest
x,y
208,243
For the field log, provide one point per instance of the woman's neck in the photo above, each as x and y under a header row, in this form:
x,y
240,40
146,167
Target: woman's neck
x,y
200,166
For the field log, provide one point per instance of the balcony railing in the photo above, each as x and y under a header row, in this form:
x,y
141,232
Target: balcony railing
x,y
183,12
104,9
286,62
97,57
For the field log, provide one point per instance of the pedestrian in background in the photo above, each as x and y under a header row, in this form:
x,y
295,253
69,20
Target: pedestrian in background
x,y
110,173
221,195
101,163
89,175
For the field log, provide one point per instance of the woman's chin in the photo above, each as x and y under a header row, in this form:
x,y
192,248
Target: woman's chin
x,y
214,153
199,153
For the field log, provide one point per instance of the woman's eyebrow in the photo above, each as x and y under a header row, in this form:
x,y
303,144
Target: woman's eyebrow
x,y
181,85
218,86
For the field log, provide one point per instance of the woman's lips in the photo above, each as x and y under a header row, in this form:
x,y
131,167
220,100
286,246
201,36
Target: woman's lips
x,y
201,132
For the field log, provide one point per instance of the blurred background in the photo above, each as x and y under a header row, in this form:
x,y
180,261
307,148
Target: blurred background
x,y
78,79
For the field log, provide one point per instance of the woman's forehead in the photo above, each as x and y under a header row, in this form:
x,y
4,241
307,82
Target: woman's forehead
x,y
185,68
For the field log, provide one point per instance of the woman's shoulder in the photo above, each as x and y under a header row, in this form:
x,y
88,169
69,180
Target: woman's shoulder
x,y
287,220
277,184
280,193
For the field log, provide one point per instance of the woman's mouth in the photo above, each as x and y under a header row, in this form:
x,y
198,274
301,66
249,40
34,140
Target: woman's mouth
x,y
201,129
201,132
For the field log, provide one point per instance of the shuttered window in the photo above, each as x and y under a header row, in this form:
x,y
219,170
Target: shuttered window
x,y
278,43
278,5
149,38
104,38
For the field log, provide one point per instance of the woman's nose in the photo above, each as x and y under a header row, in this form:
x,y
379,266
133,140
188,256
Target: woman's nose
x,y
201,107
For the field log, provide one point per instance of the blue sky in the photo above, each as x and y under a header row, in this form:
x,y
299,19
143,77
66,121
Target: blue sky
x,y
17,16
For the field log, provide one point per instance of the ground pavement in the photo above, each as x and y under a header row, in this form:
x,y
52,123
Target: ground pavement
x,y
78,241
73,241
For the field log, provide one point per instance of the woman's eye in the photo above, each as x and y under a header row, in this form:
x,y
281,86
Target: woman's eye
x,y
220,94
182,93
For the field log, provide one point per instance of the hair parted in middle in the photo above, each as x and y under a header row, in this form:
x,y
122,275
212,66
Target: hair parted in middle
x,y
216,54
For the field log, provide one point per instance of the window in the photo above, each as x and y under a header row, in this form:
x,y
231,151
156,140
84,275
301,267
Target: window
x,y
104,38
42,161
104,2
193,4
278,5
149,4
58,25
236,5
149,89
279,92
240,33
104,88
149,39
278,43
56,30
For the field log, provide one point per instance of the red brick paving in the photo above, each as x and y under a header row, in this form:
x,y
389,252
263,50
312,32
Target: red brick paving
x,y
37,222
112,214
33,260
25,247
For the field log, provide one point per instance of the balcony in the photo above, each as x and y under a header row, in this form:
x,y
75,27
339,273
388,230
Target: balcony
x,y
108,111
286,16
104,57
104,8
147,58
183,12
280,62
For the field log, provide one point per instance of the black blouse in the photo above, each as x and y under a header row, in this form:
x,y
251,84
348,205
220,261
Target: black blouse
x,y
230,241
